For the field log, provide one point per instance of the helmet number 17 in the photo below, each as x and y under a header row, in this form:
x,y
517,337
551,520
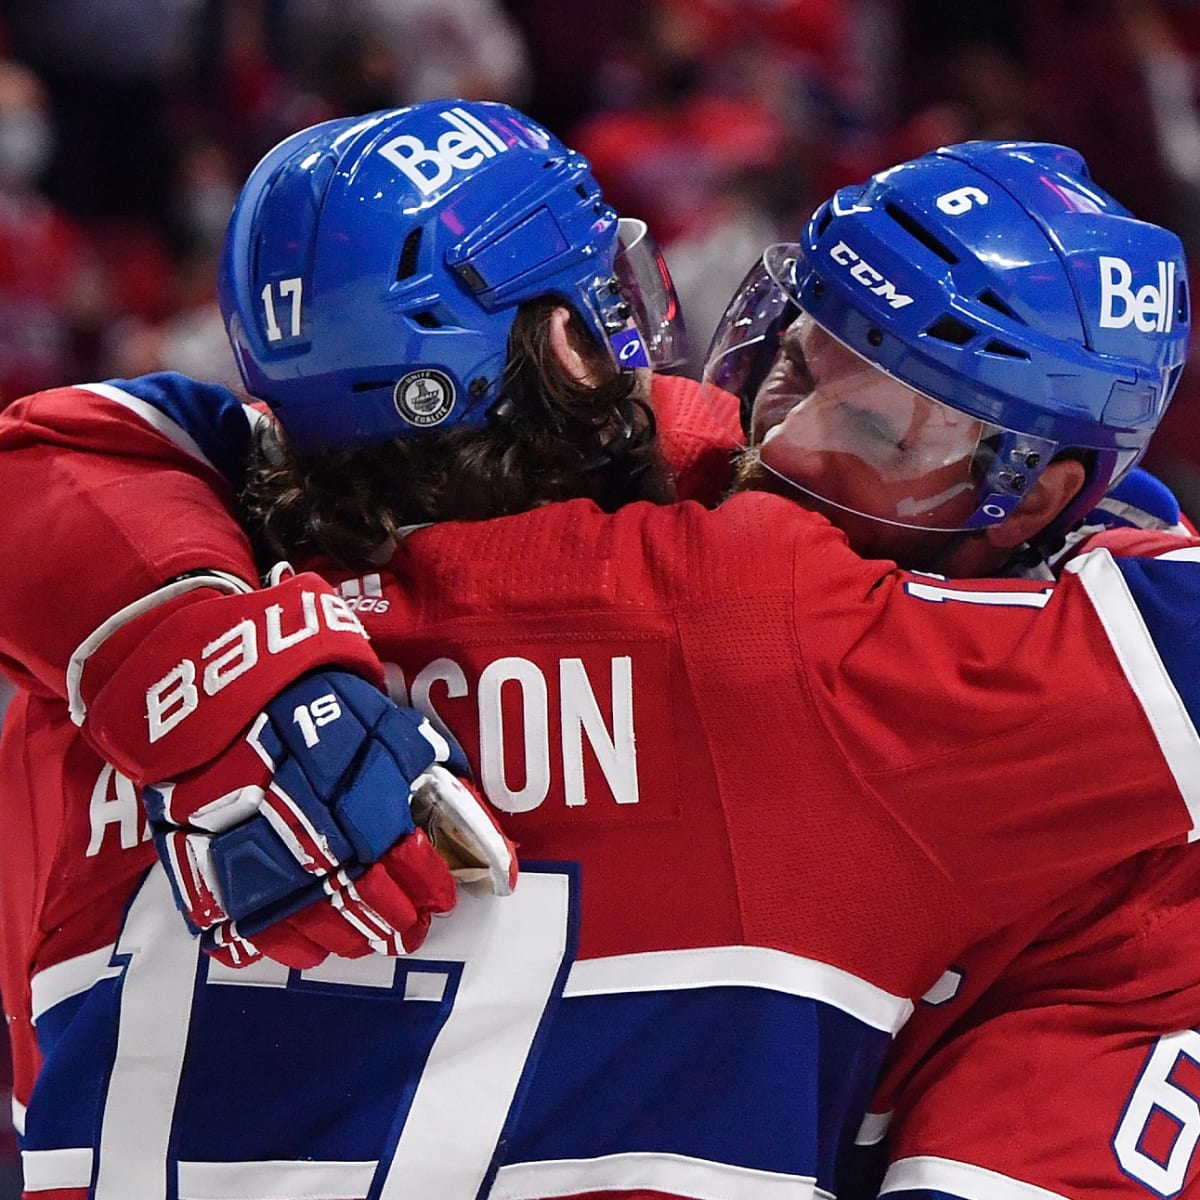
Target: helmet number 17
x,y
289,290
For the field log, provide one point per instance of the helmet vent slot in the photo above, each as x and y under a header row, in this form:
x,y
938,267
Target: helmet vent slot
x,y
1004,349
427,320
913,227
993,301
407,265
950,329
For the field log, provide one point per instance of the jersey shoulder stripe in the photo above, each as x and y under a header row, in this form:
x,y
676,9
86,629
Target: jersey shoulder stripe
x,y
1147,608
204,419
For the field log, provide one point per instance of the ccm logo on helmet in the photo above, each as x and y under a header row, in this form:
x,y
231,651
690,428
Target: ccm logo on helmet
x,y
870,278
465,145
1149,308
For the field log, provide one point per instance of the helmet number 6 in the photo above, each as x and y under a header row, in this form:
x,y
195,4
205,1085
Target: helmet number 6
x,y
961,200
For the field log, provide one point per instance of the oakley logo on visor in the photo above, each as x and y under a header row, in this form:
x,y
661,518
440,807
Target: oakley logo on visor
x,y
629,349
468,143
870,278
1149,308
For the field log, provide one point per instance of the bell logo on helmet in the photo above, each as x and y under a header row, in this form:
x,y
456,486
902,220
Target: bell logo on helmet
x,y
870,278
424,398
468,143
1150,308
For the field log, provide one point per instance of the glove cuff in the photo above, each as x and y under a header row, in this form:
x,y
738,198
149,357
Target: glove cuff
x,y
171,687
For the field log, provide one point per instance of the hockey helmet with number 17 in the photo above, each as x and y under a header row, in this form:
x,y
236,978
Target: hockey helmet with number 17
x,y
373,267
948,327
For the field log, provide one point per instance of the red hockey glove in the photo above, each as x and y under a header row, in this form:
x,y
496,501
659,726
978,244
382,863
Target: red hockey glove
x,y
300,840
170,681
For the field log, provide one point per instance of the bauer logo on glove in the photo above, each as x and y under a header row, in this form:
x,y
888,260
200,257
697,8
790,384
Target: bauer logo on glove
x,y
303,838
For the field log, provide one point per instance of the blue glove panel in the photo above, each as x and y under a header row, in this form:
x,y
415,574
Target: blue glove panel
x,y
341,759
254,868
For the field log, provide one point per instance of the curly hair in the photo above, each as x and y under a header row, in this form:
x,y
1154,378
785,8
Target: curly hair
x,y
547,438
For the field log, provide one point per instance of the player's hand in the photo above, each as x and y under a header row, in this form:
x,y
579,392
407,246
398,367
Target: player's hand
x,y
300,839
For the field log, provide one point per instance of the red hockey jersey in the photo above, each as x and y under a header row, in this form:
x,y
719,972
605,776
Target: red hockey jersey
x,y
769,797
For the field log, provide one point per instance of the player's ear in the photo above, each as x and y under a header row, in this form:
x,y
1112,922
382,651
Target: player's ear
x,y
1055,488
565,350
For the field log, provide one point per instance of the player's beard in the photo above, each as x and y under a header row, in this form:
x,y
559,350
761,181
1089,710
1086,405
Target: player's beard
x,y
749,475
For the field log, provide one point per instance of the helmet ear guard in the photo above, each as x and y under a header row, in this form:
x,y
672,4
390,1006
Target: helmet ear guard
x,y
997,279
373,267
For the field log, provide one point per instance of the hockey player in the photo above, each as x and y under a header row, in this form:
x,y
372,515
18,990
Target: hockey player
x,y
770,782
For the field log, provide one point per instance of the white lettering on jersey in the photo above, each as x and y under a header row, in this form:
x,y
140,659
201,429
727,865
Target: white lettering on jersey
x,y
230,655
870,278
1150,308
524,733
1161,1092
465,145
115,802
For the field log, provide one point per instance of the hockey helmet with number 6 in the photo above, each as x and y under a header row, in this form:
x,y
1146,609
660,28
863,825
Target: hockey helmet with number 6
x,y
373,267
1005,298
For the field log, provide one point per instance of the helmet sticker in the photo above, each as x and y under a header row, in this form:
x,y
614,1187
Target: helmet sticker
x,y
424,398
629,349
1150,308
468,143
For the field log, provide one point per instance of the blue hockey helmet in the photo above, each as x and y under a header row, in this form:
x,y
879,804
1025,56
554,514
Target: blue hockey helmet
x,y
1018,307
373,267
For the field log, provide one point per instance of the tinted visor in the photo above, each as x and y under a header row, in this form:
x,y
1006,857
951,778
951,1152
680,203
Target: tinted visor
x,y
647,289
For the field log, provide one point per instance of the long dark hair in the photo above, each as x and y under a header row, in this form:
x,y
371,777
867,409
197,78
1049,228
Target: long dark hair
x,y
548,438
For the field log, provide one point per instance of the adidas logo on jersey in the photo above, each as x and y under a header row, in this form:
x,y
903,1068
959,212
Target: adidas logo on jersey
x,y
365,594
1150,308
464,146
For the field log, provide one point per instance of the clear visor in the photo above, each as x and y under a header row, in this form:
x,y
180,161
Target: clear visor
x,y
841,429
645,324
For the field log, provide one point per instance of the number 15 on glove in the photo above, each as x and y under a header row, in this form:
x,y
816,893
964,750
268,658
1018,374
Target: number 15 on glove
x,y
323,830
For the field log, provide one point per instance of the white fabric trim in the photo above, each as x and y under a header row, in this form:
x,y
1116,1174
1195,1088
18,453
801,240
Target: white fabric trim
x,y
161,963
274,1180
220,581
741,966
46,1170
1145,673
874,1129
672,1174
18,1115
157,419
959,1179
1139,518
60,982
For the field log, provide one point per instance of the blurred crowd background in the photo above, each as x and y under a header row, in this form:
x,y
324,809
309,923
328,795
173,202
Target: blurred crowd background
x,y
127,126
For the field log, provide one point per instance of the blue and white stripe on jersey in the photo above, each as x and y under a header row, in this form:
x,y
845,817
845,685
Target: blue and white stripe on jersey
x,y
205,419
930,1178
1149,607
743,1072
483,1065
